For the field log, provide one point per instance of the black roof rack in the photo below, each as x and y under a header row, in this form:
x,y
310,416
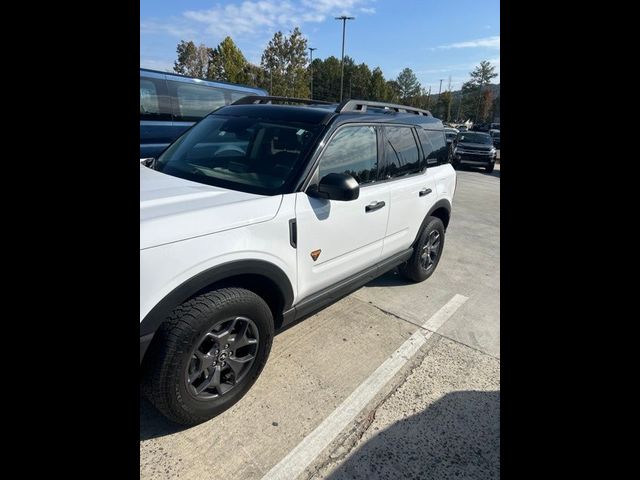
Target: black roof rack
x,y
361,106
257,99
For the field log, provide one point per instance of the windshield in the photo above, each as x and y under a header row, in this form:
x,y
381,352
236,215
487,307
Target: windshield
x,y
469,137
240,153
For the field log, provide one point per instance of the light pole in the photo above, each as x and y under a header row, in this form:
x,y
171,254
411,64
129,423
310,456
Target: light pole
x,y
439,99
344,19
311,49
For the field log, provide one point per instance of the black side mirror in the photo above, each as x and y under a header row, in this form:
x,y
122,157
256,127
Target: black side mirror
x,y
337,186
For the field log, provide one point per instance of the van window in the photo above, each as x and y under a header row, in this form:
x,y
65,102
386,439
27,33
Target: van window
x,y
149,100
401,152
238,95
196,101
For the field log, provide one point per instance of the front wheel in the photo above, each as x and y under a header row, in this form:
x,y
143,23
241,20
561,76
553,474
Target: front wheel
x,y
489,168
426,253
207,354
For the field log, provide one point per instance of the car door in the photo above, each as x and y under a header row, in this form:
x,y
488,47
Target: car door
x,y
412,186
337,239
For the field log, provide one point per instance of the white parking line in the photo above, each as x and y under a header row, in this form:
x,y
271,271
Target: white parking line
x,y
298,459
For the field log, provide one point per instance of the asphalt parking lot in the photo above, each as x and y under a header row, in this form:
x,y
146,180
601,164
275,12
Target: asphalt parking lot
x,y
397,380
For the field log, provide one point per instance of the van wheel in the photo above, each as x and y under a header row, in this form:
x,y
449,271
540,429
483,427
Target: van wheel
x,y
426,253
208,354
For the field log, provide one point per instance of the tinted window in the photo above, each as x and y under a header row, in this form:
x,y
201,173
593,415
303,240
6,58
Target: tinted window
x,y
401,152
439,151
195,101
352,150
152,103
247,154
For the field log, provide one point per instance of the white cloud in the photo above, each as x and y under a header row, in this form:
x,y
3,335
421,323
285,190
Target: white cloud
x,y
487,42
252,18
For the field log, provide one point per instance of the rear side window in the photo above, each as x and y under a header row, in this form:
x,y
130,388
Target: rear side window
x,y
434,146
401,152
192,102
353,150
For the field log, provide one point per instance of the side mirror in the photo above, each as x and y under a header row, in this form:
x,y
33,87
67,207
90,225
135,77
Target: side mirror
x,y
337,186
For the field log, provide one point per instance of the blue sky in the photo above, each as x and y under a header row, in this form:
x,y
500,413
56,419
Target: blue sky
x,y
436,39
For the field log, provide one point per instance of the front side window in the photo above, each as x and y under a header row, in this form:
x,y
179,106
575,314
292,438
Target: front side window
x,y
352,150
247,154
401,152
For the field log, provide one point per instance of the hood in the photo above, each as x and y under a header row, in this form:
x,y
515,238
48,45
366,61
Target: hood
x,y
174,209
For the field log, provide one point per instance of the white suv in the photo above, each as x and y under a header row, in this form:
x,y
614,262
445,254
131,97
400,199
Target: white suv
x,y
263,213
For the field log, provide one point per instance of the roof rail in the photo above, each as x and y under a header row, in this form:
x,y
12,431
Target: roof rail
x,y
257,99
361,106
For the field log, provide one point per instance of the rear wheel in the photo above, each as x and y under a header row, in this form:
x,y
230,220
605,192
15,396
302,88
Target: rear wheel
x,y
426,253
207,355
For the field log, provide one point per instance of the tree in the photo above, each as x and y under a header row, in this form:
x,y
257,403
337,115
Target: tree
x,y
227,63
192,61
481,76
392,91
377,85
408,84
285,60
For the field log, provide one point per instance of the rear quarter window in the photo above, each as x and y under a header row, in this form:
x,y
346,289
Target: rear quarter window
x,y
434,145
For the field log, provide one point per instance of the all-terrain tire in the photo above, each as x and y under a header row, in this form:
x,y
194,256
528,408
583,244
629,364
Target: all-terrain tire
x,y
414,269
165,381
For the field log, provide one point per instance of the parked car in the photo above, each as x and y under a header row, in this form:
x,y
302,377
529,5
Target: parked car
x,y
263,213
462,128
171,103
480,127
495,126
450,135
474,148
495,135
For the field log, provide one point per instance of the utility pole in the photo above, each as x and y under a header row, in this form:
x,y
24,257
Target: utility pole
x,y
450,99
439,91
311,65
344,19
460,105
429,97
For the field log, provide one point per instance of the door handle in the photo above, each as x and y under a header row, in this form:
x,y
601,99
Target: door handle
x,y
424,191
374,206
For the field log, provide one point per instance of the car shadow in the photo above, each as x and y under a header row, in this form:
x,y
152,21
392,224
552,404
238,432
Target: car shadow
x,y
390,279
153,424
456,437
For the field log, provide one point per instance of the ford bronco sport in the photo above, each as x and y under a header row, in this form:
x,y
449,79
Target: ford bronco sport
x,y
262,213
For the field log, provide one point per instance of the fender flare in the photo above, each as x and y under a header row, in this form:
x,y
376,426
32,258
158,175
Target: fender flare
x,y
162,309
442,203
